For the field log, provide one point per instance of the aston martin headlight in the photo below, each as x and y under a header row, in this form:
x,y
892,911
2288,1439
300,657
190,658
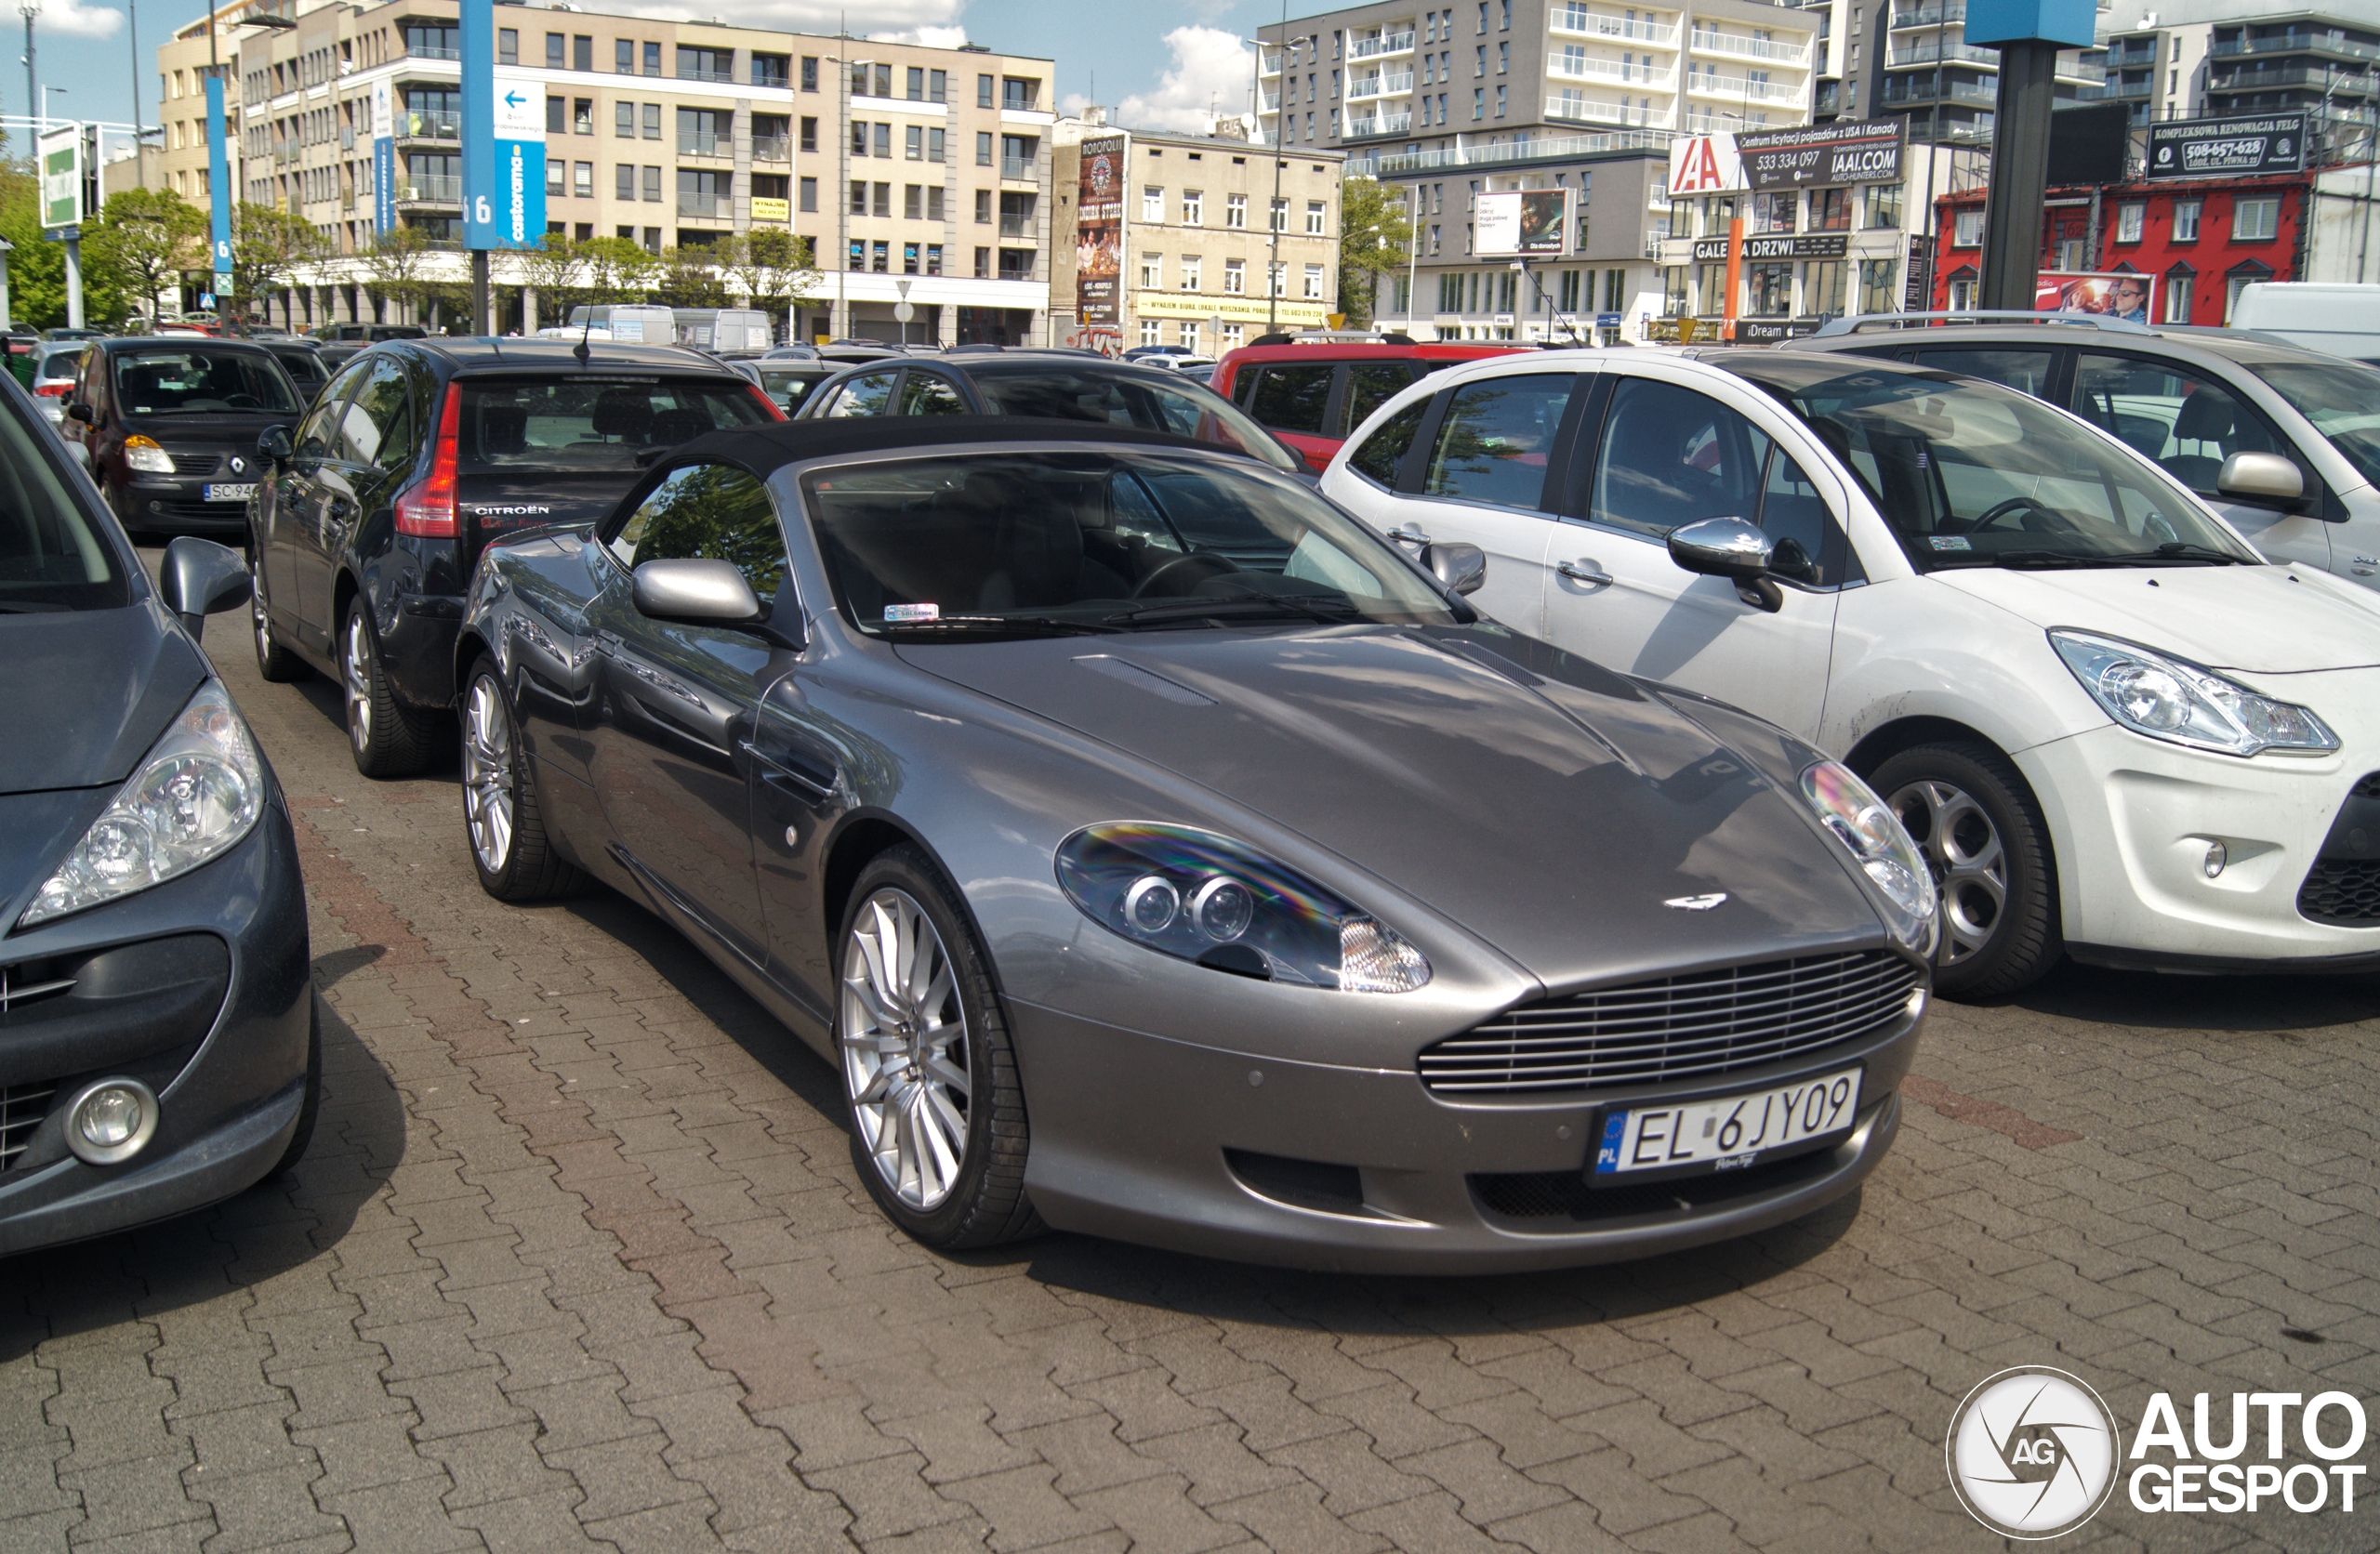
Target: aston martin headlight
x,y
1206,898
1853,815
2172,699
198,790
144,454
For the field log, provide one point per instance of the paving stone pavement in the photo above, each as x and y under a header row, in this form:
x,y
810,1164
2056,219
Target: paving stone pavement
x,y
579,1259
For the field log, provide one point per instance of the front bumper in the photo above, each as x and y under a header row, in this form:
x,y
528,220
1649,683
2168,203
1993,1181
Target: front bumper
x,y
1314,1166
178,502
2133,819
228,1108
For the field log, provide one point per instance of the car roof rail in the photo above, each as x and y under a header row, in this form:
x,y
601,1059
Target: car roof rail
x,y
1860,322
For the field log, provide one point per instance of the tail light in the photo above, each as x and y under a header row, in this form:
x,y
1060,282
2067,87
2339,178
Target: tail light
x,y
54,388
776,413
426,509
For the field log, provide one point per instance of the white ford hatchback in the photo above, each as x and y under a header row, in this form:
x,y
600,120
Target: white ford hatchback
x,y
2116,730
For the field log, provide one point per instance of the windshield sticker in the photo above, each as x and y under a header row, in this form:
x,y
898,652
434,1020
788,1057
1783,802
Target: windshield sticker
x,y
1939,541
897,613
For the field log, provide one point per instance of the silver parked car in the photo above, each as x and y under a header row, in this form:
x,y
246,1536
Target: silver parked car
x,y
1156,852
2283,442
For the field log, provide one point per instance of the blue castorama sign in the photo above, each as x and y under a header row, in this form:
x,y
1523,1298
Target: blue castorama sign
x,y
504,142
218,188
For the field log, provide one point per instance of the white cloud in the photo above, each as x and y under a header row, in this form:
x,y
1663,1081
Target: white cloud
x,y
72,19
1211,75
924,37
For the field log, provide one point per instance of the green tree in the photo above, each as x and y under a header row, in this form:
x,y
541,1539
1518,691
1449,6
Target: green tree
x,y
37,269
554,270
617,269
772,269
147,237
395,266
1374,239
268,246
690,277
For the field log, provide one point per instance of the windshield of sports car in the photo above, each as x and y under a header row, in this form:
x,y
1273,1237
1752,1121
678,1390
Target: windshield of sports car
x,y
1971,474
1127,399
2341,399
580,422
986,546
193,380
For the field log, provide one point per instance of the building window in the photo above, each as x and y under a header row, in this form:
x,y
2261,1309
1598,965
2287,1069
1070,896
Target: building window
x,y
624,56
652,184
810,72
555,172
809,134
1274,272
2132,217
555,43
933,252
557,115
859,197
1313,219
917,83
1194,208
938,90
2256,221
582,180
1280,215
913,204
1479,102
984,144
653,121
624,182
984,207
1191,268
884,141
913,142
1186,334
883,200
983,99
582,116
1152,204
1149,328
624,121
2178,280
937,144
2186,221
1235,277
1876,278
1152,271
1830,210
859,138
909,259
1966,230
1313,281
1884,205
1235,336
810,195
1235,210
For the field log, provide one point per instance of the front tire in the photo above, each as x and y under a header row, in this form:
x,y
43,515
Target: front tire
x,y
502,819
387,740
1975,820
930,1082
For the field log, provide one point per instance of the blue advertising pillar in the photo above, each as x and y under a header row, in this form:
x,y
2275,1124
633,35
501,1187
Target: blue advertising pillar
x,y
384,159
504,155
219,188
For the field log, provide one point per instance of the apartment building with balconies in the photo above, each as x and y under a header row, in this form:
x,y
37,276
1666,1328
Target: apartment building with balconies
x,y
910,169
184,60
1919,66
2209,57
1451,102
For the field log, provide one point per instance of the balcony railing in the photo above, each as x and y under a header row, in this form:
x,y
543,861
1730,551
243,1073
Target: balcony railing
x,y
1393,42
436,189
431,51
772,148
1013,225
430,125
1909,88
705,142
2118,91
1272,102
1016,264
1272,64
1742,46
1017,168
1929,16
696,73
1551,148
1381,85
1934,54
1594,25
2297,43
705,208
2082,71
1583,112
1742,87
1611,70
2286,75
1385,123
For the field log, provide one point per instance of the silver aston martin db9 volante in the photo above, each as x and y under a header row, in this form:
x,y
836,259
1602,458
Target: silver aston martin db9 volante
x,y
1157,852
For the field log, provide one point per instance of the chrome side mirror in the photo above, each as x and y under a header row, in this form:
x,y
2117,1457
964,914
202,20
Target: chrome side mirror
x,y
2264,479
1731,548
201,578
711,592
1463,568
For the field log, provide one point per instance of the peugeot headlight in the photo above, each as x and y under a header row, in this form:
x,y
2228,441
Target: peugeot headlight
x,y
144,454
2169,698
1205,898
1853,815
198,790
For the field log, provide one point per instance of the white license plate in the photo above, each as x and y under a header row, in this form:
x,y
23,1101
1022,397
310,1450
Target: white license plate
x,y
227,492
1731,1132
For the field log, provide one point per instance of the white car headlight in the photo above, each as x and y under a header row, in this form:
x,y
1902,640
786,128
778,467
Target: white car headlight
x,y
198,790
2172,699
142,453
1853,815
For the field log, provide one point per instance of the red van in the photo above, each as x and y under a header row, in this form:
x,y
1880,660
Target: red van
x,y
1312,396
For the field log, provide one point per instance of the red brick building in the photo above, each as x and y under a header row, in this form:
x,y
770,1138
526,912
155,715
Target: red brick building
x,y
2203,238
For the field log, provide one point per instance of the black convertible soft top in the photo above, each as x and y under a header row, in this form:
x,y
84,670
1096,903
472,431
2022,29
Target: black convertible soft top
x,y
764,450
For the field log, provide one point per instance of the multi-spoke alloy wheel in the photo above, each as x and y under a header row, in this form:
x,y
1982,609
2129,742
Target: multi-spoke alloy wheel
x,y
488,774
355,672
1969,810
904,1049
389,741
1970,866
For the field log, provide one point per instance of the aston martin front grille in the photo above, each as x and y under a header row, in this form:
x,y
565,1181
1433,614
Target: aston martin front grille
x,y
1701,1024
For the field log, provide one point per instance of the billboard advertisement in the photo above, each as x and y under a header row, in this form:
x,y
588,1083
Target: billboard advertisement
x,y
2208,148
504,142
1099,231
2121,294
1704,164
1823,157
384,158
59,154
1521,223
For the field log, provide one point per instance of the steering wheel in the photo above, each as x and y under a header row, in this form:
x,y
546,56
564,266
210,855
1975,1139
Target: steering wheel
x,y
2016,504
1217,566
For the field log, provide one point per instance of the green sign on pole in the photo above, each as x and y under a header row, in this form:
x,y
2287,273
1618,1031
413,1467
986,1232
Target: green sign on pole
x,y
60,153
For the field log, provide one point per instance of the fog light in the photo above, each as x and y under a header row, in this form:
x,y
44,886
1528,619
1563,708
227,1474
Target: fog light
x,y
111,1121
2216,856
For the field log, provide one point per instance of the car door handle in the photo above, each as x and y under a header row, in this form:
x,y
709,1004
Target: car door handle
x,y
1583,571
1410,533
2364,565
791,774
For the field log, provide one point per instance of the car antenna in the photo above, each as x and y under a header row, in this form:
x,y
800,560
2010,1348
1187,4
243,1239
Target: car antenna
x,y
580,349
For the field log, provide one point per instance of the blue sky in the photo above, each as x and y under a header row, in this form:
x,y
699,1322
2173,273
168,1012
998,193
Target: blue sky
x,y
1164,62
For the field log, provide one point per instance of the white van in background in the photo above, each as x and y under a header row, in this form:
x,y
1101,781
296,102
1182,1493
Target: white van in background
x,y
640,323
725,331
2343,319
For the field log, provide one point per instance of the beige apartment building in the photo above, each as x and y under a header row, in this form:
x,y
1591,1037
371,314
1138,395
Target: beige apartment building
x,y
918,174
1217,241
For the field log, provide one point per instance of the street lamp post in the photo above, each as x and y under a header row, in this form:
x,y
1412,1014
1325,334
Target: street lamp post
x,y
30,9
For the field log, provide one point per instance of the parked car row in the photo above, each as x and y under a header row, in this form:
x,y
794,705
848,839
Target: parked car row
x,y
1156,843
